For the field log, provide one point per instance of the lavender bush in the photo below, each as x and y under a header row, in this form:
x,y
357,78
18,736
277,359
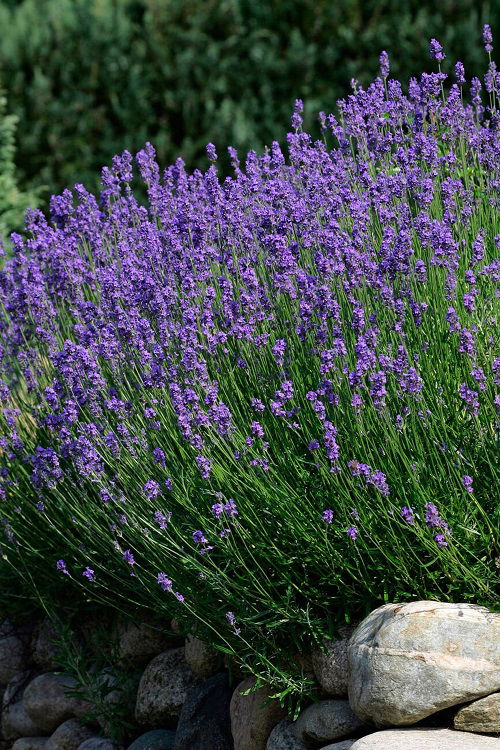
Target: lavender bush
x,y
266,405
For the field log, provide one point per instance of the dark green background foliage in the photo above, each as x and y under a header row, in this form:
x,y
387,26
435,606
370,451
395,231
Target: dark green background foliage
x,y
88,78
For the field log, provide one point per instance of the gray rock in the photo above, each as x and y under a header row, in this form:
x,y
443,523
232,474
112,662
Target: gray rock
x,y
331,666
138,643
424,739
253,716
203,660
44,646
12,654
163,688
30,743
69,736
157,739
47,703
326,721
99,743
481,716
204,721
344,745
408,661
283,738
15,721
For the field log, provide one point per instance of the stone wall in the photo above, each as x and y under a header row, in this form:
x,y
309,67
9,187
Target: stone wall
x,y
419,676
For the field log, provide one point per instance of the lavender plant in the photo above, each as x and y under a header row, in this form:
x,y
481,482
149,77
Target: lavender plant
x,y
266,405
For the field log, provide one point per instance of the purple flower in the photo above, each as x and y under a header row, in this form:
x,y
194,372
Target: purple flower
x,y
436,51
211,152
467,483
151,489
89,573
408,515
128,557
164,582
162,519
61,566
231,620
460,72
257,429
230,508
327,516
217,509
313,445
352,533
198,537
440,540
487,38
40,506
384,64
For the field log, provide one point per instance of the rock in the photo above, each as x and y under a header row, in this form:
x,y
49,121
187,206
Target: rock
x,y
251,721
30,743
326,721
344,745
157,739
117,690
12,654
138,643
481,716
15,721
408,661
48,704
99,743
69,736
203,660
283,738
331,666
44,647
424,739
163,688
204,721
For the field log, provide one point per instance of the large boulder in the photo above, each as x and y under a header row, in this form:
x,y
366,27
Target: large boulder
x,y
45,651
481,716
343,745
253,716
48,704
15,721
331,665
138,643
163,688
283,737
30,743
156,739
203,660
327,721
204,721
13,656
69,736
99,743
424,739
408,661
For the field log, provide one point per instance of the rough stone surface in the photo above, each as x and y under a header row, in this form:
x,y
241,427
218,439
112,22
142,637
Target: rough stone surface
x,y
163,688
69,736
326,721
251,721
283,738
203,660
44,648
99,743
481,716
424,739
408,661
344,745
30,743
12,654
331,666
15,721
157,739
204,721
47,703
138,643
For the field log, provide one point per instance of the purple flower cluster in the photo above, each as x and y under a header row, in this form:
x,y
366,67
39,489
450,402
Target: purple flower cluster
x,y
315,305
